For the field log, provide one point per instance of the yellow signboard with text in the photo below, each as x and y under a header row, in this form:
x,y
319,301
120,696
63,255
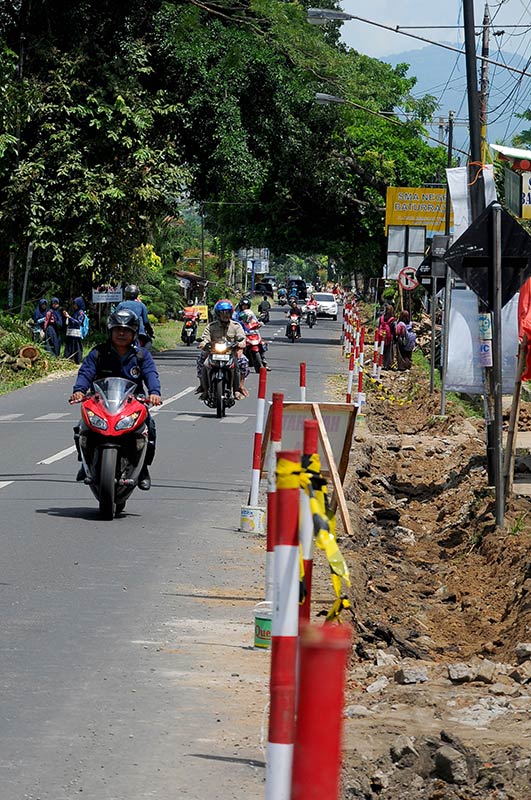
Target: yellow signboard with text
x,y
416,206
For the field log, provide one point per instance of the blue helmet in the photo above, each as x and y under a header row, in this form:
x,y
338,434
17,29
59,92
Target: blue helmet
x,y
223,305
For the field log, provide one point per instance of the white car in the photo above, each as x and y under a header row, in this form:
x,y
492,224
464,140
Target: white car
x,y
327,304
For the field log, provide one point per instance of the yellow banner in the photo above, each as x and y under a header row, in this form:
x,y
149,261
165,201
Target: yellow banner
x,y
203,312
421,206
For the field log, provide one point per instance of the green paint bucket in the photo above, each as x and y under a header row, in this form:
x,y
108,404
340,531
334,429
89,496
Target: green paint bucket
x,y
263,615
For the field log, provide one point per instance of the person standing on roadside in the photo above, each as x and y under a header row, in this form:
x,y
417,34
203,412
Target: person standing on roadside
x,y
405,341
53,326
74,339
387,330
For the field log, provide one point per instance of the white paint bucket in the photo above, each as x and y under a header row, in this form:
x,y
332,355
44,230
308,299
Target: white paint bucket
x,y
252,519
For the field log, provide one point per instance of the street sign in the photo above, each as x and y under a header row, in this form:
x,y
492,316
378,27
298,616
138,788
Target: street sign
x,y
423,274
472,256
407,279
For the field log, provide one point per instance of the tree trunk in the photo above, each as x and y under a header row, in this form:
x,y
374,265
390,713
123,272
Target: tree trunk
x,y
11,280
29,258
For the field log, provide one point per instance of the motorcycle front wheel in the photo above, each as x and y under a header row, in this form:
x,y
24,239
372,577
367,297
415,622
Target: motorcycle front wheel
x,y
220,400
108,483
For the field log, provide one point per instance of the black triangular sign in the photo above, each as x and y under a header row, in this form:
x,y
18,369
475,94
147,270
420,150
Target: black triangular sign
x,y
472,256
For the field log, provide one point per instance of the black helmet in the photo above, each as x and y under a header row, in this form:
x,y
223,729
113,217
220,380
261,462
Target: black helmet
x,y
131,291
245,303
124,318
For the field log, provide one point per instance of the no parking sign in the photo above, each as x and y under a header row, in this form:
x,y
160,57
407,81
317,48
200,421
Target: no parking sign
x,y
407,278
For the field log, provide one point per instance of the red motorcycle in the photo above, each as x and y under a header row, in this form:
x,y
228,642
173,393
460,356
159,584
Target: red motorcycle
x,y
255,346
113,437
294,330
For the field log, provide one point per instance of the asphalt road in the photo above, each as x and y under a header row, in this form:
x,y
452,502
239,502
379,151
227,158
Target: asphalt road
x,y
126,662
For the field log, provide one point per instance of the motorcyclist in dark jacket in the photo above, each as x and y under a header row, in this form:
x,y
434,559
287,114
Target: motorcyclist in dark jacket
x,y
294,310
121,356
132,302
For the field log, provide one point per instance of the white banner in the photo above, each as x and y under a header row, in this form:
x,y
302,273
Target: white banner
x,y
464,348
459,194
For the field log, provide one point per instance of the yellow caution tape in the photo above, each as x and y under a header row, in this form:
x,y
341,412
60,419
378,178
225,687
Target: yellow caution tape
x,y
387,395
290,476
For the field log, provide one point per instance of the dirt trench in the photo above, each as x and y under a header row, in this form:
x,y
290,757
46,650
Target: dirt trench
x,y
438,698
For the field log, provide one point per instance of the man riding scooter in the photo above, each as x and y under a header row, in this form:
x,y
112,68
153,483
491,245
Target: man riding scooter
x,y
223,327
121,356
293,310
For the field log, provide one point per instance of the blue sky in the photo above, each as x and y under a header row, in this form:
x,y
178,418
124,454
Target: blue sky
x,y
376,42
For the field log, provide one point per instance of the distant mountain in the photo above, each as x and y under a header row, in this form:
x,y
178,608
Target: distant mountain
x,y
442,73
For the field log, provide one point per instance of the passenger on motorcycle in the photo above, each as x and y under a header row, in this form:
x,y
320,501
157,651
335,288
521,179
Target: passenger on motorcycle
x,y
121,356
132,302
223,327
250,323
264,308
294,309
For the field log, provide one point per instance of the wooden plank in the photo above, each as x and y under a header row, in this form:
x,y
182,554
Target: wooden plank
x,y
514,437
334,474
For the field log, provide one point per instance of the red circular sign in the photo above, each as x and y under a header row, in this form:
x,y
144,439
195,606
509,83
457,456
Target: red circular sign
x,y
407,278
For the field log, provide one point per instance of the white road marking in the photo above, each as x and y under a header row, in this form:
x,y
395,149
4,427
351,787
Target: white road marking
x,y
58,456
187,418
9,417
175,397
54,415
235,420
3,484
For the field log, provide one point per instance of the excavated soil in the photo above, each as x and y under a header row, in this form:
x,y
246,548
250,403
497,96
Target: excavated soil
x,y
438,699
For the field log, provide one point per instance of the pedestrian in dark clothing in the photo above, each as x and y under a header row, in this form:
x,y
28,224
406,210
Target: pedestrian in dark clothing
x,y
74,339
52,327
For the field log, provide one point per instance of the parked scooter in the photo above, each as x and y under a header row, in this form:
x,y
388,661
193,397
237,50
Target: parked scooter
x,y
113,437
221,376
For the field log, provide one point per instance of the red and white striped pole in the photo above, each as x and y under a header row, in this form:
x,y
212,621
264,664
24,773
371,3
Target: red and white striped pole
x,y
311,438
380,358
284,633
350,378
257,450
302,381
275,444
375,353
317,752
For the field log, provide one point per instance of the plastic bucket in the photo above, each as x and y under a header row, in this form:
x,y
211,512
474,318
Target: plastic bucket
x,y
263,614
252,519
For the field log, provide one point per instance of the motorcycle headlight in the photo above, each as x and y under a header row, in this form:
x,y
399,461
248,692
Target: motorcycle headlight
x,y
96,421
126,422
220,348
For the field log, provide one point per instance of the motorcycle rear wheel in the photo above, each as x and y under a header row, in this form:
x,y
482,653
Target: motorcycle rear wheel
x,y
108,483
220,400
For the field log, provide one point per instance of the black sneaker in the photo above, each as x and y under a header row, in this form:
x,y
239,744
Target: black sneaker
x,y
81,474
144,480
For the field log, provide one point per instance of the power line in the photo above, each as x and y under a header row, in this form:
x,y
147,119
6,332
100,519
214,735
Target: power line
x,y
396,29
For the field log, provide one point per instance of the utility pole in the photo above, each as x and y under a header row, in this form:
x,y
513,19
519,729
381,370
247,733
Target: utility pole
x,y
484,84
475,173
202,211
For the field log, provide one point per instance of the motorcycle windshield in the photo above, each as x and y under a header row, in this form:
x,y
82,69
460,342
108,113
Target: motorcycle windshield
x,y
114,392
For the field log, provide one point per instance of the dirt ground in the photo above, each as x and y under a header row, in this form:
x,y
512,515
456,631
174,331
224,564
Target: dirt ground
x,y
438,697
